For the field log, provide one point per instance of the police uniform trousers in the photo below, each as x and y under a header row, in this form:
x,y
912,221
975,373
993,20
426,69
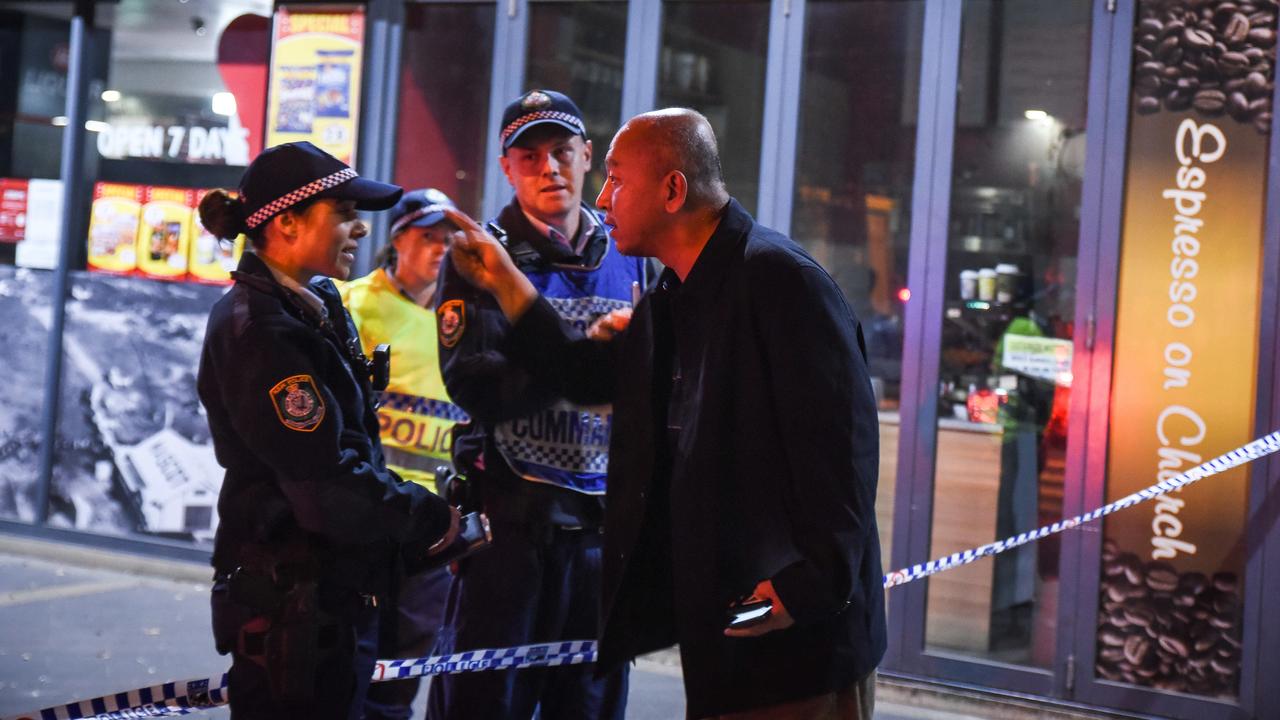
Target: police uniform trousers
x,y
534,585
341,678
407,628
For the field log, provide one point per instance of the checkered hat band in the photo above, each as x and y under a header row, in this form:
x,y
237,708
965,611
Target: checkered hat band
x,y
290,199
398,225
523,120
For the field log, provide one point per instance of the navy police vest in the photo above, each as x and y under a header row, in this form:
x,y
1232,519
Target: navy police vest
x,y
568,445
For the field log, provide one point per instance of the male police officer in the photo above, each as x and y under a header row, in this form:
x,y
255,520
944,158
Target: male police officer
x,y
393,305
536,462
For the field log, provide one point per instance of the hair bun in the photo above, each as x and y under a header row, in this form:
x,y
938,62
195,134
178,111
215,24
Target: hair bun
x,y
222,214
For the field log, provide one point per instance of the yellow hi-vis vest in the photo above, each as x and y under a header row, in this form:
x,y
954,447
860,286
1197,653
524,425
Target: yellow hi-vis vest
x,y
415,416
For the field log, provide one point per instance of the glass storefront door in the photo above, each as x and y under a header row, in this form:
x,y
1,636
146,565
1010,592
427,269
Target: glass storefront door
x,y
999,305
1004,377
1001,272
1090,325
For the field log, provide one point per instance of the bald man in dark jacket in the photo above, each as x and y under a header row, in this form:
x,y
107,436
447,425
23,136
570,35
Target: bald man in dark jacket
x,y
744,451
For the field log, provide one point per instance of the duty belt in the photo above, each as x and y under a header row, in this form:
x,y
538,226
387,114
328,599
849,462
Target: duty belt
x,y
413,461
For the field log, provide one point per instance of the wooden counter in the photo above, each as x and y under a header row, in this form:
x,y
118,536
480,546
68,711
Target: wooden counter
x,y
967,482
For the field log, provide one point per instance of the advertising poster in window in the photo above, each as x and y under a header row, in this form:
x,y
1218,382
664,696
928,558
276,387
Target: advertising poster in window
x,y
132,453
1186,348
38,213
212,259
113,228
316,56
164,232
13,210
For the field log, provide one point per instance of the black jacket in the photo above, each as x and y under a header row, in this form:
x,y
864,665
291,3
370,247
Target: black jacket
x,y
293,422
772,475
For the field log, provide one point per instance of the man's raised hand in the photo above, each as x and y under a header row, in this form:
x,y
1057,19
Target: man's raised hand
x,y
485,263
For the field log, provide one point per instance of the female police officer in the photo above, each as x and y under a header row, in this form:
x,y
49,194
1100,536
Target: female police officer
x,y
312,524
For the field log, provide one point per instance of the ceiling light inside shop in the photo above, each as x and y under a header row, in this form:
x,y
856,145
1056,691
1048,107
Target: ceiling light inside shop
x,y
224,103
59,121
110,95
96,126
1036,115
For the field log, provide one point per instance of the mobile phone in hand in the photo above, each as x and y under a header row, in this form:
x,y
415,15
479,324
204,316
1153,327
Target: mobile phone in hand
x,y
473,536
749,613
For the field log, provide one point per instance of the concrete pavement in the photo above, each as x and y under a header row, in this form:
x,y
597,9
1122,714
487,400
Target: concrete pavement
x,y
77,622
72,633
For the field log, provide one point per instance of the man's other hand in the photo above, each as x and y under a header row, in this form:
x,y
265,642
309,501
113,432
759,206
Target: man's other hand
x,y
610,325
779,618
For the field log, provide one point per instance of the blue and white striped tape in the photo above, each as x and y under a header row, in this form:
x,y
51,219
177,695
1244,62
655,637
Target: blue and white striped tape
x,y
172,698
568,652
1261,447
180,698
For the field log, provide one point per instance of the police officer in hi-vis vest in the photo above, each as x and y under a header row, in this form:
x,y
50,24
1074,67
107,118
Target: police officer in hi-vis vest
x,y
535,462
395,304
313,526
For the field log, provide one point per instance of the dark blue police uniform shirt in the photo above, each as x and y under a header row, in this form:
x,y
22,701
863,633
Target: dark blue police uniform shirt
x,y
294,425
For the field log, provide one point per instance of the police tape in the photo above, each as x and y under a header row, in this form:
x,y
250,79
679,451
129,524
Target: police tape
x,y
181,698
171,698
569,652
1261,447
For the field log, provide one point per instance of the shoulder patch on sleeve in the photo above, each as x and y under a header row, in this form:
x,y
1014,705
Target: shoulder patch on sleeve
x,y
297,403
451,317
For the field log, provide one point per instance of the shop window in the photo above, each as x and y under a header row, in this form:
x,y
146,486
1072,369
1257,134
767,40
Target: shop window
x,y
34,51
852,200
447,67
1008,323
177,106
577,48
713,60
33,80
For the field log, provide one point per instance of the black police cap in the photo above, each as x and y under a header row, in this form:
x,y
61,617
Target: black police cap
x,y
419,208
538,107
285,175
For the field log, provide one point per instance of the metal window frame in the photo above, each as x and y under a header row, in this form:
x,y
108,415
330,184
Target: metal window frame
x,y
70,170
640,63
1100,213
380,109
784,63
926,263
1264,499
510,43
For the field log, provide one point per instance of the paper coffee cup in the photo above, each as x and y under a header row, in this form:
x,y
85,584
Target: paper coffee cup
x,y
968,284
987,284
